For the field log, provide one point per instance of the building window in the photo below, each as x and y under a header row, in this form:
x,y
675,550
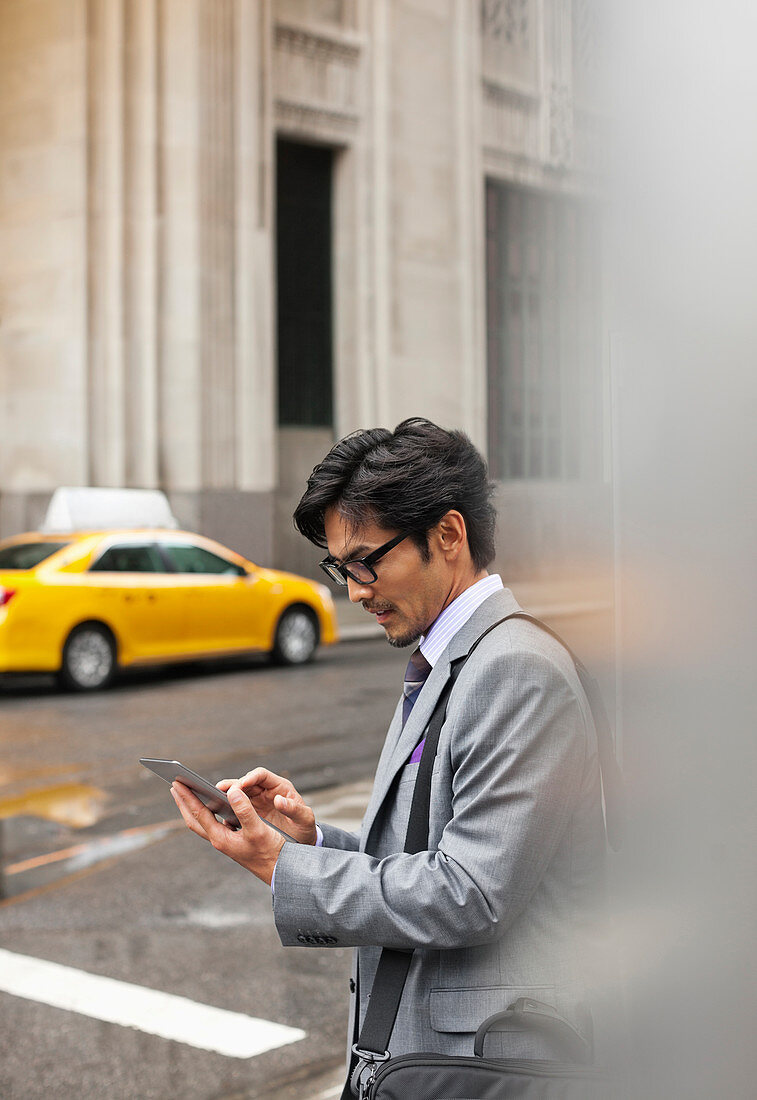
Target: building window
x,y
304,284
543,335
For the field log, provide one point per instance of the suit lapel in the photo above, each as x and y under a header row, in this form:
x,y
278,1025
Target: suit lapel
x,y
400,743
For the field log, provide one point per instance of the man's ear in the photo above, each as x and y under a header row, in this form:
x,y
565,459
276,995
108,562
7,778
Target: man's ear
x,y
452,534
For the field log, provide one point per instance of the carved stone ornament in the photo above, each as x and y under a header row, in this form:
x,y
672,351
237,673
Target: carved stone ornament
x,y
316,46
560,126
308,118
506,21
502,95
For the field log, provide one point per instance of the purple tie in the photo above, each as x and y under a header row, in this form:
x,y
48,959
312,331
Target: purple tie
x,y
416,675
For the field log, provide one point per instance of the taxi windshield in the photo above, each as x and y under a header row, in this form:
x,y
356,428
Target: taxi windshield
x,y
26,555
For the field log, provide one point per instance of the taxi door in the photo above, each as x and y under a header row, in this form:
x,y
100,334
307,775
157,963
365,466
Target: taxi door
x,y
135,592
223,603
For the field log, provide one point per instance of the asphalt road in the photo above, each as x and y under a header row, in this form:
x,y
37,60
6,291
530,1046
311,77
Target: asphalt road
x,y
134,898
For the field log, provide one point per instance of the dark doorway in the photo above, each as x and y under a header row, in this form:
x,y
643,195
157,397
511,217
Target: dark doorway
x,y
304,296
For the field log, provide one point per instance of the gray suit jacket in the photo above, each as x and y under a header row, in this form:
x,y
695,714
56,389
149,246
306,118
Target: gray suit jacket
x,y
502,904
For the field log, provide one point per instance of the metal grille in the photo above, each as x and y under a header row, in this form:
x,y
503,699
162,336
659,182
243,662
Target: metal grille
x,y
543,335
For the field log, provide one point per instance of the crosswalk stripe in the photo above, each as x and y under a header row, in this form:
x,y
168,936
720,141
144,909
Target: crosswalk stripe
x,y
149,1010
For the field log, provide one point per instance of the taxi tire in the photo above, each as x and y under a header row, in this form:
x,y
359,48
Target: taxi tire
x,y
99,641
297,636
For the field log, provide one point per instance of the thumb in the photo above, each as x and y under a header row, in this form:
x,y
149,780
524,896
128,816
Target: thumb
x,y
242,806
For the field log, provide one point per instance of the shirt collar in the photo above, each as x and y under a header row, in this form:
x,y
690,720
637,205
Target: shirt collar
x,y
456,615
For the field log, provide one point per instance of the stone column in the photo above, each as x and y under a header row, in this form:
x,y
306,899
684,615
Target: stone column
x,y
105,244
255,367
375,397
180,391
141,241
43,385
430,167
216,104
469,190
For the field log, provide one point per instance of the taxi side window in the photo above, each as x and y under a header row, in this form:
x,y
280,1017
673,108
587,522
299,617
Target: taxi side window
x,y
27,555
129,559
186,558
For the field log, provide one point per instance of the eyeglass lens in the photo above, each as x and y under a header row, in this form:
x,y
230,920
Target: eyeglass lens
x,y
353,569
360,571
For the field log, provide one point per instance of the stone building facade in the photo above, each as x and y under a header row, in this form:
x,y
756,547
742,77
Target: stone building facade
x,y
390,179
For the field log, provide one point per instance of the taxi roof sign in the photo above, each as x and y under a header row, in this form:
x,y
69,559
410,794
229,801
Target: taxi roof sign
x,y
90,509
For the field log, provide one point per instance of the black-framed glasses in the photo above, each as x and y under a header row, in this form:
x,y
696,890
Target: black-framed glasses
x,y
359,570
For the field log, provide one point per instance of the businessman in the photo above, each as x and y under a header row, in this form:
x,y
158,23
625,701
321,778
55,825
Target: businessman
x,y
501,904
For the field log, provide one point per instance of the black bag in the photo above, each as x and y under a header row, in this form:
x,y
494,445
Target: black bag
x,y
426,1076
434,1077
442,1077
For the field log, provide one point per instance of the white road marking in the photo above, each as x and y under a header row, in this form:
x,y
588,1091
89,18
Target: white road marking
x,y
163,1014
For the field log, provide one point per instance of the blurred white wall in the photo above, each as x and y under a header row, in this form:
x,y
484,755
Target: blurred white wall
x,y
683,355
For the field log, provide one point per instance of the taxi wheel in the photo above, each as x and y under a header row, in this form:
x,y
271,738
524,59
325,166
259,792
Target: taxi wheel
x,y
89,658
296,637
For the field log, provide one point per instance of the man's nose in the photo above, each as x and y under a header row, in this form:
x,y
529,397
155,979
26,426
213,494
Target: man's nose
x,y
358,591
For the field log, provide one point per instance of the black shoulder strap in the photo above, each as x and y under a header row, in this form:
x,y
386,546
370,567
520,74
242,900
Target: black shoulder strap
x,y
612,784
393,967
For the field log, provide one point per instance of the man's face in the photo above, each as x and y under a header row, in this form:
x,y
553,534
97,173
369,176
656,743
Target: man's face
x,y
409,593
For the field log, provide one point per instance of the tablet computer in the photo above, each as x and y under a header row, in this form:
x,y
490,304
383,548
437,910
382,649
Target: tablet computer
x,y
206,791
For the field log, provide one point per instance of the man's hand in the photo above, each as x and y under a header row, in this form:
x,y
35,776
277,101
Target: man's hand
x,y
254,846
275,799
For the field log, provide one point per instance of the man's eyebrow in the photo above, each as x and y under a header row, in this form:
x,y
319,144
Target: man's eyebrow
x,y
356,552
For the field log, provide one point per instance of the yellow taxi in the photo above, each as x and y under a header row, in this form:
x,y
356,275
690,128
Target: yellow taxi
x,y
84,604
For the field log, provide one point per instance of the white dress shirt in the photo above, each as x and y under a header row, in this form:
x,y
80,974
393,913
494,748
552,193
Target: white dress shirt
x,y
456,615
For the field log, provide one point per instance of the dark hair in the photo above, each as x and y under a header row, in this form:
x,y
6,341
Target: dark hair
x,y
404,480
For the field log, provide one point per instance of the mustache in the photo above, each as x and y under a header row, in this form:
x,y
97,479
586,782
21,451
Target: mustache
x,y
376,607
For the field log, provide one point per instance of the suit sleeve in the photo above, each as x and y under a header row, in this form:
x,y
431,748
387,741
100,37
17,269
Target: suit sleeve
x,y
518,745
334,837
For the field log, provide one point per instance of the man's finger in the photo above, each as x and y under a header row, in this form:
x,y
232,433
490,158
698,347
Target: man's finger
x,y
254,846
263,778
190,809
250,779
293,808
